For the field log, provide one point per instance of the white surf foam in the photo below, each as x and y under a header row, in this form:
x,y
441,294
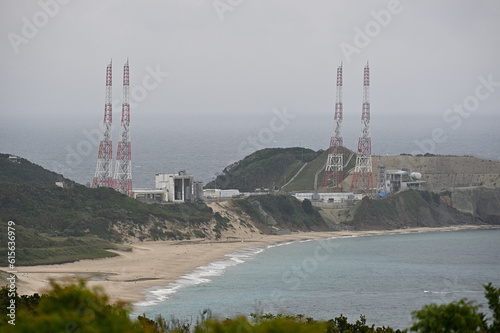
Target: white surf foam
x,y
202,274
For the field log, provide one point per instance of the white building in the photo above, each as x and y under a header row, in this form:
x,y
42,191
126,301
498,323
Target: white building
x,y
150,195
336,197
402,179
179,187
221,194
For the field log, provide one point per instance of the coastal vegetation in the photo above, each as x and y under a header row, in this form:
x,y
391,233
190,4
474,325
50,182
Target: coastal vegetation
x,y
278,168
76,308
56,225
22,171
277,212
268,168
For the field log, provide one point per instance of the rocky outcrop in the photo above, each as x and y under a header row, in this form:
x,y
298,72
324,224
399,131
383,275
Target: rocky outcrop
x,y
413,209
480,202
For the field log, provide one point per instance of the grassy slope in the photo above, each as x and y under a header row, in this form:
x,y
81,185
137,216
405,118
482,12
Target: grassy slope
x,y
286,210
56,224
33,248
264,168
305,180
27,172
402,210
77,210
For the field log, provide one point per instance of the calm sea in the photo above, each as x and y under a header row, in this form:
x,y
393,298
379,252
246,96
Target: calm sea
x,y
383,277
206,146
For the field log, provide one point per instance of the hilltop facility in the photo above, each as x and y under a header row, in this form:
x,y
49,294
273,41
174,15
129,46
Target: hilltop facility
x,y
177,188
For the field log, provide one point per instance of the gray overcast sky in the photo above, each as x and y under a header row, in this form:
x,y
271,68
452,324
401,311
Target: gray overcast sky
x,y
245,57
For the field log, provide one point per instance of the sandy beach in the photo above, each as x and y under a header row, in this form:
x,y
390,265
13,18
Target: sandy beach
x,y
150,264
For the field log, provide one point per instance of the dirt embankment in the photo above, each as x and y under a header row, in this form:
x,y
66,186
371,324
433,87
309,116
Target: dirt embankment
x,y
481,203
412,209
445,171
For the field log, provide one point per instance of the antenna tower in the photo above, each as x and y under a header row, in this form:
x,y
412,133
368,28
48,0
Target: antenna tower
x,y
123,167
334,168
103,172
362,178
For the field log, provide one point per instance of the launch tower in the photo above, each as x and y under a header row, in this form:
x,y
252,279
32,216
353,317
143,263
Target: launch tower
x,y
333,176
123,167
104,169
362,178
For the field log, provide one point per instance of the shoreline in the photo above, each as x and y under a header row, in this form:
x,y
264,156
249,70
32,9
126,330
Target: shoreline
x,y
132,275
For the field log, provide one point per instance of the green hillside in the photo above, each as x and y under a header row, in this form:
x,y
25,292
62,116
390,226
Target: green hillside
x,y
24,171
78,222
80,210
305,180
264,169
272,211
277,167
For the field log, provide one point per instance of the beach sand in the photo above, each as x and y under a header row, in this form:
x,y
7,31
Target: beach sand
x,y
150,264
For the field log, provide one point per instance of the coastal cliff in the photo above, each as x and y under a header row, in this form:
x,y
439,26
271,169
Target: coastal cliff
x,y
412,209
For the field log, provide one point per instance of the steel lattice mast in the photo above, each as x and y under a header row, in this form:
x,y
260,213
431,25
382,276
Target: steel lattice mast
x,y
362,178
104,170
333,175
123,168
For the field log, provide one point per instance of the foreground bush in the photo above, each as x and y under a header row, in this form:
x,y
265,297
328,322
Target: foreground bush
x,y
461,316
75,308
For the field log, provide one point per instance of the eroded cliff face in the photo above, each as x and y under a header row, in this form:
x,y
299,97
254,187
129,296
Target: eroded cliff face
x,y
413,209
482,203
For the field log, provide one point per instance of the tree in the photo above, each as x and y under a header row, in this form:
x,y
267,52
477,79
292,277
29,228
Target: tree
x,y
461,316
493,296
74,308
307,206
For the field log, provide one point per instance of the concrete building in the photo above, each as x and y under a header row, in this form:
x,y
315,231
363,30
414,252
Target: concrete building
x,y
198,191
217,194
178,188
334,197
150,195
14,159
402,179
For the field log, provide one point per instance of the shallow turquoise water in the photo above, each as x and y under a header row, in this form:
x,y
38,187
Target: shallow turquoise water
x,y
384,278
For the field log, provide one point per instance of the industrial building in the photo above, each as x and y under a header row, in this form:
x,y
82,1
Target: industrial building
x,y
334,197
402,179
177,188
218,194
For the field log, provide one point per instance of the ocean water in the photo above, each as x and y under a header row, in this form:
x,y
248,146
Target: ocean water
x,y
383,277
204,147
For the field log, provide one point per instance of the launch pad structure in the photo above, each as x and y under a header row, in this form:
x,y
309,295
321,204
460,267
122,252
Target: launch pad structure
x,y
333,176
122,178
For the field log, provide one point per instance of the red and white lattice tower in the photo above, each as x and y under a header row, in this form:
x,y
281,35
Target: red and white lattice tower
x,y
104,170
334,168
123,167
362,178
